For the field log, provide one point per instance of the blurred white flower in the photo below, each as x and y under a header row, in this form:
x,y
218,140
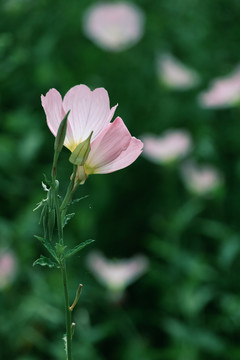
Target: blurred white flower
x,y
202,179
174,74
169,147
114,26
116,275
8,268
223,92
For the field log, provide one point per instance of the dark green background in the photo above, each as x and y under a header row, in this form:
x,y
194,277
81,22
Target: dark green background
x,y
187,306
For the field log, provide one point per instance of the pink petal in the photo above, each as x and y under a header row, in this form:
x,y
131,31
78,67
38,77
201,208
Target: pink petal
x,y
118,156
53,107
108,145
52,104
125,159
90,111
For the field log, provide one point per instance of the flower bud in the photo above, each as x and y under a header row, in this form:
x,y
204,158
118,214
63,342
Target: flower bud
x,y
80,154
81,175
61,134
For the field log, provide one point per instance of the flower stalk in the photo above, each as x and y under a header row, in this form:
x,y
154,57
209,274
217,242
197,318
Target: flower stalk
x,y
97,147
53,215
58,145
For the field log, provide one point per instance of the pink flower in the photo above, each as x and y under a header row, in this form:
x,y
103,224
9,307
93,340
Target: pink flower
x,y
201,180
8,268
116,275
112,146
174,74
223,92
114,26
171,146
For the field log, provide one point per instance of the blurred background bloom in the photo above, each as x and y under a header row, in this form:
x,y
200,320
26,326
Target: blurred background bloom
x,y
8,268
187,307
174,74
114,26
169,147
223,92
200,179
116,274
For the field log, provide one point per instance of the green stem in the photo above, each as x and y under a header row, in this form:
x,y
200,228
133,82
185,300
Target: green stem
x,y
67,312
63,263
54,167
69,193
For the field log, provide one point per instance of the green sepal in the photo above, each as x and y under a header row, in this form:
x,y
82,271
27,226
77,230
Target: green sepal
x,y
47,245
61,134
78,248
44,261
67,218
80,154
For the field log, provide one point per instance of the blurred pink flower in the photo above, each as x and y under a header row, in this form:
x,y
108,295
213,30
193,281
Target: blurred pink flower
x,y
114,26
174,74
223,92
201,180
116,275
112,146
171,146
8,268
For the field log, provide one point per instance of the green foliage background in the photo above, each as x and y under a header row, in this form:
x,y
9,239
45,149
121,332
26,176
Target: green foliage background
x,y
187,306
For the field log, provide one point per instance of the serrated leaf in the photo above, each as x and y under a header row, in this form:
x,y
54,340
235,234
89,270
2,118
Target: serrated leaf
x,y
78,247
79,199
47,245
44,261
67,218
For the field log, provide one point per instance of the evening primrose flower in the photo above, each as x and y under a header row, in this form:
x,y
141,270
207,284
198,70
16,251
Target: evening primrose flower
x,y
223,92
201,180
111,145
116,275
171,146
174,74
8,268
114,26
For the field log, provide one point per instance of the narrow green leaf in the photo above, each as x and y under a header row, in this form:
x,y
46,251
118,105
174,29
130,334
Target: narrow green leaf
x,y
76,297
46,181
67,218
78,247
47,245
43,214
79,199
44,261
